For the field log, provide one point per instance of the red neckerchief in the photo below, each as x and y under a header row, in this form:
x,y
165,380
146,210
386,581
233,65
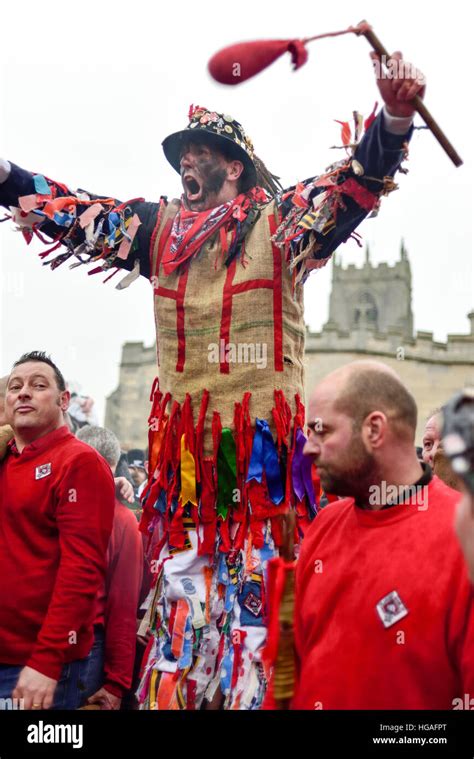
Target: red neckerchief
x,y
191,229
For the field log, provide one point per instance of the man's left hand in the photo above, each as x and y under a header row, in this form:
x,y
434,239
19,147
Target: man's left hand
x,y
398,82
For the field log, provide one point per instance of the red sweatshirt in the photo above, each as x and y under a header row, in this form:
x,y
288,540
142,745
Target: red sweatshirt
x,y
118,600
351,560
56,510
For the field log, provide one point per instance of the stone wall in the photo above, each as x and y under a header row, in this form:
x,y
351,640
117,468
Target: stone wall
x,y
432,371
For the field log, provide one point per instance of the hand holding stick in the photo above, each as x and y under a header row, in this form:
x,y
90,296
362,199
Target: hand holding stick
x,y
366,30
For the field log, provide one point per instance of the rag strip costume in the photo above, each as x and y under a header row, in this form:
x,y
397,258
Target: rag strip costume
x,y
226,428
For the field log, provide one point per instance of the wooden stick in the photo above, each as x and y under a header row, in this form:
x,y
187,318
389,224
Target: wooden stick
x,y
418,103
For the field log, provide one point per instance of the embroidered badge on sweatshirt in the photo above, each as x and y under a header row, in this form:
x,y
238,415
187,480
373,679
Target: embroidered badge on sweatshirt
x,y
42,471
391,608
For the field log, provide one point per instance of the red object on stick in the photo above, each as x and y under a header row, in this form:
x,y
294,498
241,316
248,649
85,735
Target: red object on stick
x,y
237,63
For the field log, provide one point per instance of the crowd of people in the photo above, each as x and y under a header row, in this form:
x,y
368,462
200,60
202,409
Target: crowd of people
x,y
187,603
384,615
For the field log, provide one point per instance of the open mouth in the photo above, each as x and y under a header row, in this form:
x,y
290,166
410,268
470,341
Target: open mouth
x,y
192,188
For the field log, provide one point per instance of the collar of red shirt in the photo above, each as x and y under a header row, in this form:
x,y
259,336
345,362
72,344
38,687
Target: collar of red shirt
x,y
41,443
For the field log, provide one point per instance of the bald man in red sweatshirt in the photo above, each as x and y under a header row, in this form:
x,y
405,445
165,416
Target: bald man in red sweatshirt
x,y
57,500
384,606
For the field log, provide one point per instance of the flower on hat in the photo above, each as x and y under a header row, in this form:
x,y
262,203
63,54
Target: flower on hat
x,y
195,111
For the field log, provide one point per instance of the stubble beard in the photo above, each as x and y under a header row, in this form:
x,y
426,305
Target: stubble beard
x,y
356,472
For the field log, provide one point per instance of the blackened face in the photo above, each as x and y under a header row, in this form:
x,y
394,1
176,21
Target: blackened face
x,y
203,174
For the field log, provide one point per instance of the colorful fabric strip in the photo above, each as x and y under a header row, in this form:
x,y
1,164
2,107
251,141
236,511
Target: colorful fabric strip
x,y
265,458
301,471
226,472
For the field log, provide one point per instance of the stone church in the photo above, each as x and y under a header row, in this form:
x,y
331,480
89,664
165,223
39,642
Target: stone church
x,y
370,316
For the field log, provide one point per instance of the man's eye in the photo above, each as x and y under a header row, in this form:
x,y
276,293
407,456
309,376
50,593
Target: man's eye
x,y
428,446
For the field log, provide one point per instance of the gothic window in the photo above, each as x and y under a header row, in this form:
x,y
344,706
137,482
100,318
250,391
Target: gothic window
x,y
365,311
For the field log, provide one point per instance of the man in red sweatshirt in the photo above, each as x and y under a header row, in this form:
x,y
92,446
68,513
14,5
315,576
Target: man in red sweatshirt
x,y
56,510
384,607
117,602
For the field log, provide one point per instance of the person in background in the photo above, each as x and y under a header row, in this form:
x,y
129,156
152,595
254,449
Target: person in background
x,y
431,437
384,607
433,453
137,467
56,512
119,596
82,408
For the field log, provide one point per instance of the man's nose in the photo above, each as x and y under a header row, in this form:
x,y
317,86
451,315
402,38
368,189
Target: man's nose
x,y
185,161
311,447
25,392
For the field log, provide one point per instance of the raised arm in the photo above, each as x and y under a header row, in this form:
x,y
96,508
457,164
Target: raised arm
x,y
320,213
90,228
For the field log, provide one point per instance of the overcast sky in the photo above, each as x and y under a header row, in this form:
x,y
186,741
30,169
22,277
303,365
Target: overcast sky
x,y
87,96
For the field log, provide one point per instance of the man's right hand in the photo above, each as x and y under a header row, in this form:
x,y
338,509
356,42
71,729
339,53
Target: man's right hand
x,y
36,689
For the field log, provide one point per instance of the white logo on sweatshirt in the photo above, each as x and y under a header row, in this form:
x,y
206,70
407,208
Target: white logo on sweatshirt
x,y
42,471
391,608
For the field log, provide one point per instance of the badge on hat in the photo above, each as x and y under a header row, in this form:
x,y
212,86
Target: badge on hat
x,y
42,471
391,608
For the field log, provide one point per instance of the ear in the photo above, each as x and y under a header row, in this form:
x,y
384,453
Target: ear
x,y
374,430
234,170
64,400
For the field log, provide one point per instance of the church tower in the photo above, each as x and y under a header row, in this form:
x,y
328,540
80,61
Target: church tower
x,y
372,298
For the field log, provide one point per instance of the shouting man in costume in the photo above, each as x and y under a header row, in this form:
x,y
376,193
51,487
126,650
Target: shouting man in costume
x,y
227,263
